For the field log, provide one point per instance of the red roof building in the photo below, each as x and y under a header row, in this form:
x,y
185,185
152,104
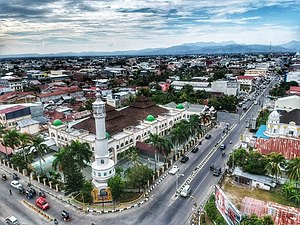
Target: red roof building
x,y
288,147
294,90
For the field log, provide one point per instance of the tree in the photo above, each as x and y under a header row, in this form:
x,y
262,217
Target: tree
x,y
238,158
74,181
19,160
40,148
11,139
254,220
274,161
117,186
138,176
132,155
293,169
256,163
86,190
81,152
24,142
60,157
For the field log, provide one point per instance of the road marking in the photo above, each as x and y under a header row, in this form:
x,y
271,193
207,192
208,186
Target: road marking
x,y
164,191
200,183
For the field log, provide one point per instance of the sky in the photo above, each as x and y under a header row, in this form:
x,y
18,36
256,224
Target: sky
x,y
54,26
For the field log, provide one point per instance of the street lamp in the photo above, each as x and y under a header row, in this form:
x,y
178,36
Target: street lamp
x,y
177,176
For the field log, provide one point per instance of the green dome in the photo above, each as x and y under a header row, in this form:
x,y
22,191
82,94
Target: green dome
x,y
150,118
107,135
57,122
179,106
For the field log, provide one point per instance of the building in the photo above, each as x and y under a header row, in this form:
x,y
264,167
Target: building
x,y
13,82
10,116
288,103
197,86
293,76
289,147
226,87
246,83
287,124
127,126
294,90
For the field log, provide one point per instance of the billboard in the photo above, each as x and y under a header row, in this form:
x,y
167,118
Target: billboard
x,y
229,212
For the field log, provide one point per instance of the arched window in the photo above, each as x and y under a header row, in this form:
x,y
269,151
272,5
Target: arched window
x,y
105,174
102,161
131,140
117,146
122,144
126,143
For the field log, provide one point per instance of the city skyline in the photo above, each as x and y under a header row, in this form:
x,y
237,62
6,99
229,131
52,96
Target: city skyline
x,y
54,26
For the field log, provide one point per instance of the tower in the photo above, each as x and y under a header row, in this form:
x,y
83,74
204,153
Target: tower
x,y
103,166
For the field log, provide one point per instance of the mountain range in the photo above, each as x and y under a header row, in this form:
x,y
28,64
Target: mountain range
x,y
228,47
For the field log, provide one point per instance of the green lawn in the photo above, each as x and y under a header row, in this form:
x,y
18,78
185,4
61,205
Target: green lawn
x,y
237,193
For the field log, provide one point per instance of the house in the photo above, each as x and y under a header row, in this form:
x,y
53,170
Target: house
x,y
253,180
28,126
289,147
293,76
13,82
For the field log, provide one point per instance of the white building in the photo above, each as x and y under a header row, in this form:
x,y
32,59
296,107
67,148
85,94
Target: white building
x,y
226,87
293,76
287,124
288,103
197,86
13,82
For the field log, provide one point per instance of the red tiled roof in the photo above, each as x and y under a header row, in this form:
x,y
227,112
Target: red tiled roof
x,y
12,109
3,150
295,88
288,147
246,77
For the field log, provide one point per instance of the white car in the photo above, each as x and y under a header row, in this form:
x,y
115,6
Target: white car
x,y
174,170
12,220
16,184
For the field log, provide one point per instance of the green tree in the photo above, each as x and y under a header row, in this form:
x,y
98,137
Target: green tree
x,y
117,186
74,181
11,139
254,220
40,148
19,160
273,166
256,163
25,142
293,169
132,155
238,158
59,158
138,176
81,152
86,191
212,212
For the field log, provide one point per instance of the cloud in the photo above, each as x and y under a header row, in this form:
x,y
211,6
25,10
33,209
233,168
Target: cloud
x,y
121,24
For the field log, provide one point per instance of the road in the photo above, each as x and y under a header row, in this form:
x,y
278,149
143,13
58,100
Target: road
x,y
164,207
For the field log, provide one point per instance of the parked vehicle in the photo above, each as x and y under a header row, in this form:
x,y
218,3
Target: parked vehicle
x,y
65,215
15,176
16,184
4,176
212,166
174,170
223,154
195,149
22,191
184,159
42,194
42,203
208,136
32,190
185,192
12,220
217,171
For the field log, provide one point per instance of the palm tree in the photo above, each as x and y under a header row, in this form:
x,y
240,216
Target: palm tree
x,y
11,139
177,137
40,148
293,169
273,166
133,156
25,140
81,152
60,157
195,124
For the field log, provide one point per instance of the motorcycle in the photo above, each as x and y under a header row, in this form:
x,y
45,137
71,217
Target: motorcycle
x,y
4,177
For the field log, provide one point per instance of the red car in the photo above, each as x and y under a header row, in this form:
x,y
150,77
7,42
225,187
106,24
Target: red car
x,y
41,203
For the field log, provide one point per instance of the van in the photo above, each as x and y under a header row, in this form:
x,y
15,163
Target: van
x,y
185,191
